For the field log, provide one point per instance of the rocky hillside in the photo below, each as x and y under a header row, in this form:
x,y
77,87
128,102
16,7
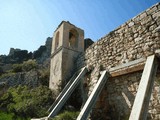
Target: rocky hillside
x,y
21,67
24,80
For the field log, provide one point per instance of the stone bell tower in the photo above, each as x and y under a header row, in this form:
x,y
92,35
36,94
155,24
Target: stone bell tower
x,y
68,43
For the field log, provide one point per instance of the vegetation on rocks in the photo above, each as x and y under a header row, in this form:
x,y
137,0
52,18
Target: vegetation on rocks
x,y
25,66
24,80
44,76
25,102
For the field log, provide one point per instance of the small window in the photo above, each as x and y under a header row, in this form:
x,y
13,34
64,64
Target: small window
x,y
57,41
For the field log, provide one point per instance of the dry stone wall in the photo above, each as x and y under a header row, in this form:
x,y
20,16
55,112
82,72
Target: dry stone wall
x,y
137,38
117,97
154,106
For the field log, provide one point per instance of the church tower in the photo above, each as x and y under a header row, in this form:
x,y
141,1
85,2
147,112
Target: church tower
x,y
67,44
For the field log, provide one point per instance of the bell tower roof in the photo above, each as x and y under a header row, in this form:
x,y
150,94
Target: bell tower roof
x,y
67,23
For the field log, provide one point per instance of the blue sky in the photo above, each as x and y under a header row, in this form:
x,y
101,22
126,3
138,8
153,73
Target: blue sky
x,y
26,24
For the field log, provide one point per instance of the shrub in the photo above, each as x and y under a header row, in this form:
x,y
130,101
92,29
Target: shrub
x,y
44,76
10,116
67,115
26,102
6,75
17,68
6,116
25,66
29,65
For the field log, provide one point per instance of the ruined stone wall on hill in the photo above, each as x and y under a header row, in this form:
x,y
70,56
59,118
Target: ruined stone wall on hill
x,y
137,38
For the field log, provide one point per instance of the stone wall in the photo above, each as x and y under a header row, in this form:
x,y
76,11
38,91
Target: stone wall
x,y
135,39
117,97
154,106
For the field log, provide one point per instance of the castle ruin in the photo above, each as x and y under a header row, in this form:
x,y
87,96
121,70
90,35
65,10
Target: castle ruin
x,y
125,54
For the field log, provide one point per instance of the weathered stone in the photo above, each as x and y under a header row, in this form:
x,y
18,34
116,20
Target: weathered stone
x,y
144,14
151,10
135,35
146,20
138,39
116,81
139,50
153,27
156,15
157,29
131,24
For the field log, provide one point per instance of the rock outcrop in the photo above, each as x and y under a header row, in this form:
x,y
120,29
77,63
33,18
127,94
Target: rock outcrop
x,y
43,52
31,78
16,56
